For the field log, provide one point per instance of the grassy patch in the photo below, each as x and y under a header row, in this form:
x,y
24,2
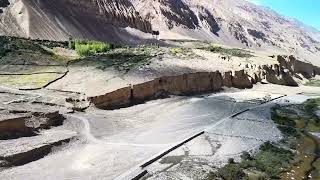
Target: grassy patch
x,y
13,44
268,163
121,59
24,51
184,53
230,52
87,48
311,105
176,51
302,116
27,81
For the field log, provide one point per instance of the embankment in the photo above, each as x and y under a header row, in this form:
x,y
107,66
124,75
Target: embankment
x,y
28,124
283,73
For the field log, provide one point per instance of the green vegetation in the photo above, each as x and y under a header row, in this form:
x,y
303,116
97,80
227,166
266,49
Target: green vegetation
x,y
296,121
176,51
311,105
302,116
183,53
87,48
14,49
121,59
313,82
26,63
274,160
14,44
268,163
28,81
229,52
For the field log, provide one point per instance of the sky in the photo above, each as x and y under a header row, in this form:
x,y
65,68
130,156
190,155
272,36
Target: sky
x,y
306,11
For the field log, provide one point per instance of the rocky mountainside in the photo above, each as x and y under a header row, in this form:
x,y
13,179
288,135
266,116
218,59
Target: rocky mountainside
x,y
230,22
61,19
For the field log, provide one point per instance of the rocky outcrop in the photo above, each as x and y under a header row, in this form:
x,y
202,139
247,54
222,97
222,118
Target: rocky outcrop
x,y
279,75
295,66
62,19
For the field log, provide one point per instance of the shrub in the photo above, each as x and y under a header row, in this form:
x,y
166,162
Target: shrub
x,y
246,156
269,162
272,160
313,82
311,105
231,172
176,51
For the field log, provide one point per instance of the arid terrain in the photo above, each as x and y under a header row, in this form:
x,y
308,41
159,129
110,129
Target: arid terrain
x,y
88,90
112,115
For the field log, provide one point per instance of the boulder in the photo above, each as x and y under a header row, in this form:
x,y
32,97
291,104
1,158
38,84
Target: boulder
x,y
284,77
296,66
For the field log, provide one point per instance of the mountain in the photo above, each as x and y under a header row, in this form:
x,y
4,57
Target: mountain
x,y
231,22
61,19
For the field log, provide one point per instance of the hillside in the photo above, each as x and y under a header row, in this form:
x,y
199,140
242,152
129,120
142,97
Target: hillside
x,y
62,19
228,91
230,22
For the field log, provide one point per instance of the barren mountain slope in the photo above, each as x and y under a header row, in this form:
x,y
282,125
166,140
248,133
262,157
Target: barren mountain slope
x,y
232,22
61,19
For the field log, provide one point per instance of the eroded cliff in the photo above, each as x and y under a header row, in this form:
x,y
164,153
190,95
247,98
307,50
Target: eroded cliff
x,y
285,72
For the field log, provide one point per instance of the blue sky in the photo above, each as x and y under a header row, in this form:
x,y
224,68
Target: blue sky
x,y
307,11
